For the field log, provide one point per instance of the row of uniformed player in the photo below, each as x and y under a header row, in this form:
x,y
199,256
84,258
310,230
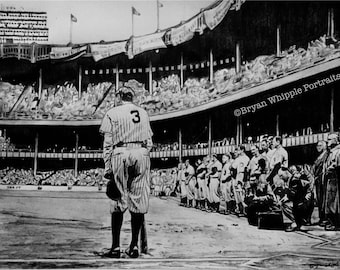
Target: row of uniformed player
x,y
213,181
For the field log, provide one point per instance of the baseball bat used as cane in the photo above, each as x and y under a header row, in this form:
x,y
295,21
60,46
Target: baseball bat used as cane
x,y
143,238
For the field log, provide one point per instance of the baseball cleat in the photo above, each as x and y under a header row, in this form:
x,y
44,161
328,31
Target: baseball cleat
x,y
112,253
132,252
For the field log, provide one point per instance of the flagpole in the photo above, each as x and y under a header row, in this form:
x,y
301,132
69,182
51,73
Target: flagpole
x,y
71,29
132,23
132,14
157,15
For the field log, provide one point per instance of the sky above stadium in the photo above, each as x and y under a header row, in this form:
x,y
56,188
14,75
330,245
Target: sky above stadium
x,y
107,20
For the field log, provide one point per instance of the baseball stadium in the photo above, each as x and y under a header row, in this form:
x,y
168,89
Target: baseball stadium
x,y
231,160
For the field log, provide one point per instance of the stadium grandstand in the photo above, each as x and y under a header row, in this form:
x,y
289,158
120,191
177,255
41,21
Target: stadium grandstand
x,y
210,83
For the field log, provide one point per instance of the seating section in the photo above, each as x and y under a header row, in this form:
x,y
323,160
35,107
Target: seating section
x,y
64,102
163,181
92,177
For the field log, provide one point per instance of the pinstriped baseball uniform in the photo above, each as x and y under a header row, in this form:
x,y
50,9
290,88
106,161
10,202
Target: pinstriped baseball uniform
x,y
126,131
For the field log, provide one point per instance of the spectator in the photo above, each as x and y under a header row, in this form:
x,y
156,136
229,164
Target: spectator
x,y
319,180
332,176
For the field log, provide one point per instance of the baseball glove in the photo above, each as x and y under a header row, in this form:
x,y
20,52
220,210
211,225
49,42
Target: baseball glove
x,y
213,170
112,190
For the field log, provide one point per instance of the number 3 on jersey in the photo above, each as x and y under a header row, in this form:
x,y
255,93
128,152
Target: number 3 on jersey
x,y
136,117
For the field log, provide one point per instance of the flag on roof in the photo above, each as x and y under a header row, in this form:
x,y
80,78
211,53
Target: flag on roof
x,y
135,12
73,18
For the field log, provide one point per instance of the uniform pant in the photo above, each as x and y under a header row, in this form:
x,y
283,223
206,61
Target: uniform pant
x,y
206,190
131,170
238,191
201,194
191,188
229,191
213,188
183,189
320,197
223,187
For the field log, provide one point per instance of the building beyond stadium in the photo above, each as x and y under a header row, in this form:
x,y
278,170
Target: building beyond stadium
x,y
17,26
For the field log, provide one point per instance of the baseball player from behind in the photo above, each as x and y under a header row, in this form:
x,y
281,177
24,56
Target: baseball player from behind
x,y
127,142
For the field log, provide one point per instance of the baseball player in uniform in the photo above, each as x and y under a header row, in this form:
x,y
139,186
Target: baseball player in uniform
x,y
214,177
240,166
127,142
200,172
181,179
190,182
278,159
208,162
226,183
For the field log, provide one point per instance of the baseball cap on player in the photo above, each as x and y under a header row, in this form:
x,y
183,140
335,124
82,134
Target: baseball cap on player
x,y
126,93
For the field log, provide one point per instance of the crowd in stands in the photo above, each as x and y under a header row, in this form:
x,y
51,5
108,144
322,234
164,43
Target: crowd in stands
x,y
163,182
64,102
91,177
5,143
11,176
265,185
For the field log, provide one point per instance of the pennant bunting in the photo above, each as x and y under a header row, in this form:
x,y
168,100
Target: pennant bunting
x,y
67,53
137,45
215,15
101,51
185,31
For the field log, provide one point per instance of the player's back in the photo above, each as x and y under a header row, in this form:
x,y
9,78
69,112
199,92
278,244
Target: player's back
x,y
130,123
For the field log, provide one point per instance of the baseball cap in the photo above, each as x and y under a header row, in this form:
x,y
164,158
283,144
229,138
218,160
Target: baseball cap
x,y
125,91
333,136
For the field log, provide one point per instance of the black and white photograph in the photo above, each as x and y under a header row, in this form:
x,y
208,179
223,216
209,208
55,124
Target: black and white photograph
x,y
168,134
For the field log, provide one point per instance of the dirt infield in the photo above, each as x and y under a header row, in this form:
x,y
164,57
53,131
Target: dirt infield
x,y
44,229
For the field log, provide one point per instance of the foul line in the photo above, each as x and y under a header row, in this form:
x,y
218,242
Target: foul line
x,y
128,260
